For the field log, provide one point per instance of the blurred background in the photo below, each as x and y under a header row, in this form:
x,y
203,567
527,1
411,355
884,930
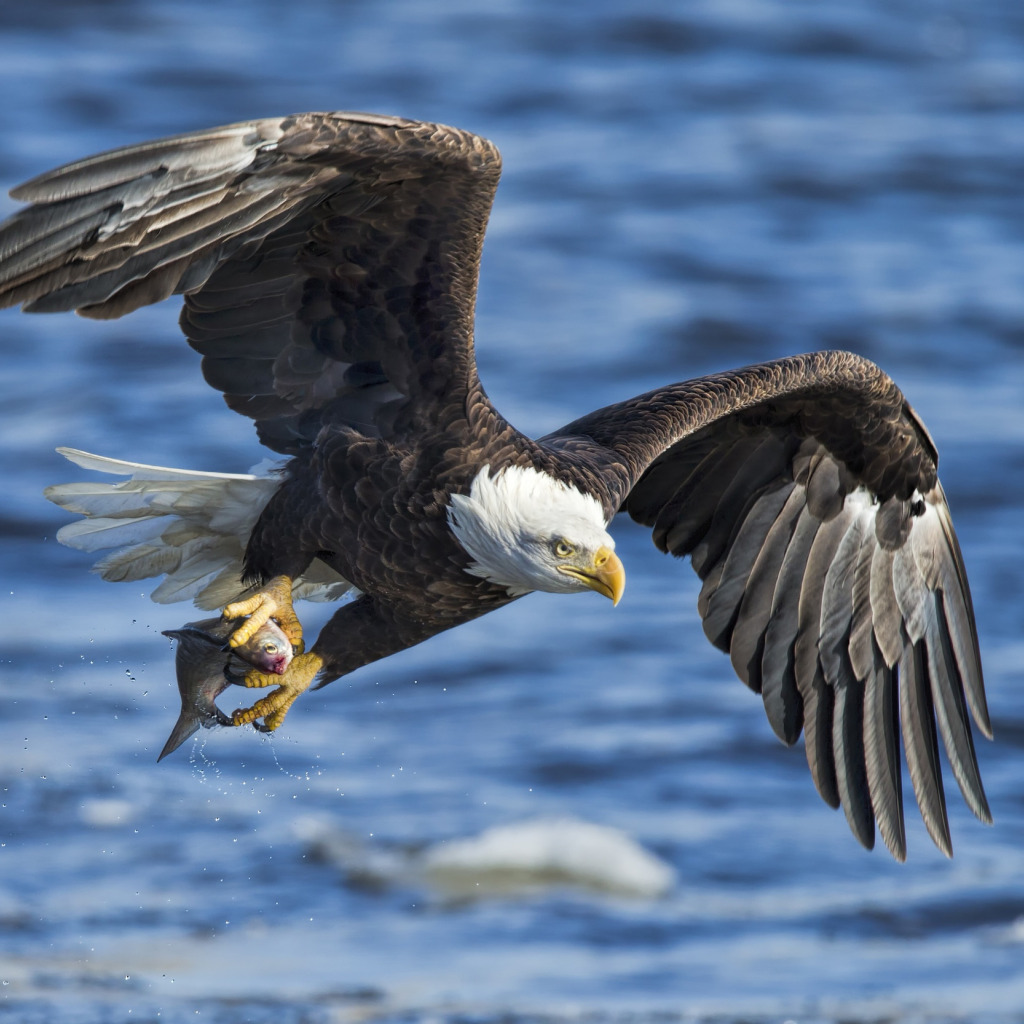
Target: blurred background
x,y
688,186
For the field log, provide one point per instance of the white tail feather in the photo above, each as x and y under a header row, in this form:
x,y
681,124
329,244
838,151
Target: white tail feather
x,y
190,527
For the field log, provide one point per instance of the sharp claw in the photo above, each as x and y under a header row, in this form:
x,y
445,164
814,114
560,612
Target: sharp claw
x,y
273,708
253,624
274,599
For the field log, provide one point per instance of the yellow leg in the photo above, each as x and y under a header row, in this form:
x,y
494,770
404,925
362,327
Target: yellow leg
x,y
274,598
272,708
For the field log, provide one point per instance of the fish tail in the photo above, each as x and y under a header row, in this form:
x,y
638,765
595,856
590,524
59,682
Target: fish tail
x,y
188,723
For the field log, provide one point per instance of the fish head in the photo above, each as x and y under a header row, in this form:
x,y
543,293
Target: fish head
x,y
269,649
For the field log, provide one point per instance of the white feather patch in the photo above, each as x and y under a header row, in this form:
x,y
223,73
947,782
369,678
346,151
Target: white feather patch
x,y
504,516
190,527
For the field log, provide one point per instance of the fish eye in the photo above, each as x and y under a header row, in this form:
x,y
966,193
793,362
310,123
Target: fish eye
x,y
270,647
564,549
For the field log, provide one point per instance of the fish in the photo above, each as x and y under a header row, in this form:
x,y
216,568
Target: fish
x,y
206,666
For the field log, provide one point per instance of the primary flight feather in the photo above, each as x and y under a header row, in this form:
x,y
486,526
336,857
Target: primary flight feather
x,y
329,267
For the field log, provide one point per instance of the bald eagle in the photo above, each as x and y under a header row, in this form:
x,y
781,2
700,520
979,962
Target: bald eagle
x,y
329,267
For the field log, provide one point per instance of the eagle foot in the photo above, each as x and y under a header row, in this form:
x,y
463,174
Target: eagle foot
x,y
273,599
272,708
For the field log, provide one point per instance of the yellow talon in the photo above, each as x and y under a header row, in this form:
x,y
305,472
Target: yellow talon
x,y
272,708
274,599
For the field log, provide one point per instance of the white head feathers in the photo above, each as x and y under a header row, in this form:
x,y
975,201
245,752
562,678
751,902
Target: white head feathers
x,y
508,523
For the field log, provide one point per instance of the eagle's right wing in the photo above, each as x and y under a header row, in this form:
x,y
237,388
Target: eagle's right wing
x,y
329,261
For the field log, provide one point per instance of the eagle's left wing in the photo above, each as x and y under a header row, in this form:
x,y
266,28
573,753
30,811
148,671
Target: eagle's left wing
x,y
805,493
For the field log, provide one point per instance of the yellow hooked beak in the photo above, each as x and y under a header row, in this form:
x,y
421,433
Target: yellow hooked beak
x,y
606,575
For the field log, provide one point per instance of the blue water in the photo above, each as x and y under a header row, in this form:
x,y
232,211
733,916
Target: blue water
x,y
688,186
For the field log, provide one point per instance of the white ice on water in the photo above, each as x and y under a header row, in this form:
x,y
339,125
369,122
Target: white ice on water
x,y
502,860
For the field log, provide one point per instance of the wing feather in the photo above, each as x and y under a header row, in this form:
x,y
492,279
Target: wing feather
x,y
848,752
952,716
758,473
886,620
305,246
917,720
817,690
747,650
782,701
724,605
943,567
199,156
684,520
882,756
819,698
805,492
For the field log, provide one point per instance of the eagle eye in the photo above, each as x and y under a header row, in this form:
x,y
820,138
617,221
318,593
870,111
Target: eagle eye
x,y
564,549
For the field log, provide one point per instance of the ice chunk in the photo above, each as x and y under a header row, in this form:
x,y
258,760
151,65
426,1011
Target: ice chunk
x,y
548,851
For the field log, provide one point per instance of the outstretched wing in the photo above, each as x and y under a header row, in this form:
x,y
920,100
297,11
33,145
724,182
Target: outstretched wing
x,y
328,261
805,493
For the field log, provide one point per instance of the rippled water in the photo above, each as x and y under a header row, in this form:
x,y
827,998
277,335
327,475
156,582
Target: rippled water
x,y
687,187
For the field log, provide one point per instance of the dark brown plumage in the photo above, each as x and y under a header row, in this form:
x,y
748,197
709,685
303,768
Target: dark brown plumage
x,y
329,266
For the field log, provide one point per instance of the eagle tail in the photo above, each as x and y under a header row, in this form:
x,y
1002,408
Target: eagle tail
x,y
189,527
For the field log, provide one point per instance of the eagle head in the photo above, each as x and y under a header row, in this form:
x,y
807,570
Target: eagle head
x,y
524,530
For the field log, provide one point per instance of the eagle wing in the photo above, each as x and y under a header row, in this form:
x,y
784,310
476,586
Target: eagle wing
x,y
805,493
328,261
